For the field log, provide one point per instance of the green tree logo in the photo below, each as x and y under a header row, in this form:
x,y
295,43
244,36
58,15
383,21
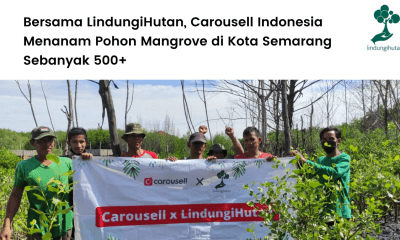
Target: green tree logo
x,y
384,16
222,175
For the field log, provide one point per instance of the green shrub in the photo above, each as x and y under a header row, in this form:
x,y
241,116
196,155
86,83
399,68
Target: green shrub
x,y
6,186
8,159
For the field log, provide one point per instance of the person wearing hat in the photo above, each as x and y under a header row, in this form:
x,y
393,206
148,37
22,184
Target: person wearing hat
x,y
134,138
217,151
197,144
37,171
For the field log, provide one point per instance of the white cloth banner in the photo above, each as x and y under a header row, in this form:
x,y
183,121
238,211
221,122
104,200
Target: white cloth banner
x,y
128,198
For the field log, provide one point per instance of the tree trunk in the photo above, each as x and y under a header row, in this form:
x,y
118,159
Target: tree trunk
x,y
290,101
66,137
70,105
378,109
363,103
297,136
386,109
108,104
327,109
263,115
127,101
303,130
259,93
286,125
311,134
76,94
371,109
277,123
345,98
69,113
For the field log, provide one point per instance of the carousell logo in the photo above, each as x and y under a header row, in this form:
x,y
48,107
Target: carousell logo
x,y
148,181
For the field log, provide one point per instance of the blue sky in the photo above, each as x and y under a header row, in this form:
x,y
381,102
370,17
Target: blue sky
x,y
153,100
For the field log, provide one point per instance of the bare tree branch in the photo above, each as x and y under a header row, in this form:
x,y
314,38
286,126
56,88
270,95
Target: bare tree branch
x,y
93,82
30,99
318,97
205,106
48,111
186,109
127,109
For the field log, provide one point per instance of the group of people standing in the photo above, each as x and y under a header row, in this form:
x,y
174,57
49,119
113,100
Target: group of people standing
x,y
38,170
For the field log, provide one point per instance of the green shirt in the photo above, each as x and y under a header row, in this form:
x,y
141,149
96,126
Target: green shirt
x,y
27,174
341,173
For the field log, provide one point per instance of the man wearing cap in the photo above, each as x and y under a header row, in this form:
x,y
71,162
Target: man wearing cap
x,y
37,171
197,144
217,151
134,137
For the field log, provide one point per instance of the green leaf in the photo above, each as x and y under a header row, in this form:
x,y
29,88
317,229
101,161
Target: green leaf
x,y
47,236
58,182
314,184
325,177
388,185
69,173
35,230
53,158
42,215
30,188
42,223
39,197
397,183
52,189
33,222
353,148
65,211
297,171
250,203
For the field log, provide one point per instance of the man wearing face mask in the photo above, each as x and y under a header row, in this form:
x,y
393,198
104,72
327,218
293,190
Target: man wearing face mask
x,y
330,139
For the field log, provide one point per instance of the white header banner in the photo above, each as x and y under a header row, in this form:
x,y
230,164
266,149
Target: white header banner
x,y
210,39
127,198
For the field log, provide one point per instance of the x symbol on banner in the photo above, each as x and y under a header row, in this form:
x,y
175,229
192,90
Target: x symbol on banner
x,y
199,181
173,215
